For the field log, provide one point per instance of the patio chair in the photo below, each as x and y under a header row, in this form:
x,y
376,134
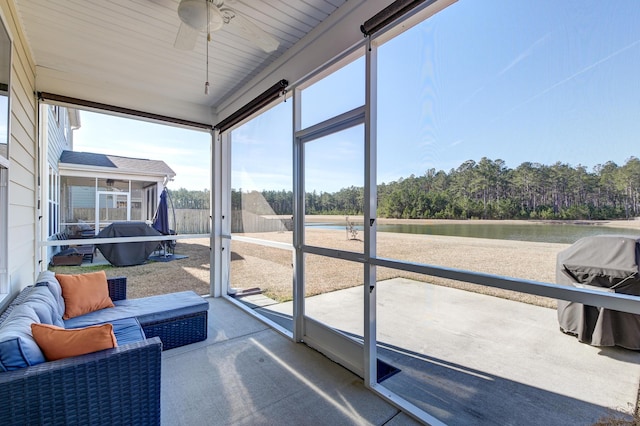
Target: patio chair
x,y
167,247
86,250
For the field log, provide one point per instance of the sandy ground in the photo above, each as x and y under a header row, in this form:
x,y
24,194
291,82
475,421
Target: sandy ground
x,y
191,273
271,269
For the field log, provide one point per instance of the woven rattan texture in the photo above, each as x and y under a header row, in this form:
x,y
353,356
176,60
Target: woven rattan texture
x,y
179,331
117,288
119,386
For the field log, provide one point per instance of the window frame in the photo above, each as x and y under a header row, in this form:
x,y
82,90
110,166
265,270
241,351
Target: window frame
x,y
5,164
4,221
53,201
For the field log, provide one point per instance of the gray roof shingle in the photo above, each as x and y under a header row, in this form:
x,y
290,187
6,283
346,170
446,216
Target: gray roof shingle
x,y
123,164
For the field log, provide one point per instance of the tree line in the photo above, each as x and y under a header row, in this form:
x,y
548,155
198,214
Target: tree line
x,y
189,199
486,189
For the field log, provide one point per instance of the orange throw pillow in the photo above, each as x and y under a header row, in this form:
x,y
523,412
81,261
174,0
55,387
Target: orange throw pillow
x,y
57,343
84,293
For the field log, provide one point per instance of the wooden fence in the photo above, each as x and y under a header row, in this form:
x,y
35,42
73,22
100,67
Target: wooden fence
x,y
198,221
188,221
191,221
195,221
244,221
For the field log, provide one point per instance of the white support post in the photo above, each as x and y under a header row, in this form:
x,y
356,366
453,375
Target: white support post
x,y
218,210
42,213
370,219
298,222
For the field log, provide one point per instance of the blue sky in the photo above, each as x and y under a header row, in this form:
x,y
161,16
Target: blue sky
x,y
185,151
540,81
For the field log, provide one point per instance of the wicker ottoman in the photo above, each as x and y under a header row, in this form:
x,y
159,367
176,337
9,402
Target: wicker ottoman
x,y
178,331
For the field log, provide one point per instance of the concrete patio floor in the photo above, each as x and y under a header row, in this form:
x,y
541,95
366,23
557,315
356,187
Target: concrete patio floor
x,y
468,358
246,373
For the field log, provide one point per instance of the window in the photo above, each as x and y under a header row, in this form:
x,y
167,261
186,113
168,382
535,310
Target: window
x,y
346,80
505,111
56,113
5,73
518,116
262,203
54,201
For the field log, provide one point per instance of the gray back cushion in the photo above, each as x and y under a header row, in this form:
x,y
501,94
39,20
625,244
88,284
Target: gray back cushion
x,y
48,279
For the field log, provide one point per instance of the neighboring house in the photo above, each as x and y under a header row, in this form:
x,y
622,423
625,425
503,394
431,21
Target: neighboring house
x,y
87,191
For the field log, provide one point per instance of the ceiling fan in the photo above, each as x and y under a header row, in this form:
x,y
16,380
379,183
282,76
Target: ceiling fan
x,y
197,16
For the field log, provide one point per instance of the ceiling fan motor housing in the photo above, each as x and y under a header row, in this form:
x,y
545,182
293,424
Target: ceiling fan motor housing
x,y
194,14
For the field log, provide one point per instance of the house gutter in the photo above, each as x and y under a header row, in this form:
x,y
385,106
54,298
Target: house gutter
x,y
67,169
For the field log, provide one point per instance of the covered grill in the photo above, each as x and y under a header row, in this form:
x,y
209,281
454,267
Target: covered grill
x,y
127,254
605,263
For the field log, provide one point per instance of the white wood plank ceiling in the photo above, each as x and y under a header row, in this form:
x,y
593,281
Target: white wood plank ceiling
x,y
121,52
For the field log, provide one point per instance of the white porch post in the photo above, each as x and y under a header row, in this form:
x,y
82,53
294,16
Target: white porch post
x,y
220,214
42,213
370,219
298,222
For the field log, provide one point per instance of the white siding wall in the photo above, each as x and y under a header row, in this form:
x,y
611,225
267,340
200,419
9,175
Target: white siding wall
x,y
22,157
56,141
55,134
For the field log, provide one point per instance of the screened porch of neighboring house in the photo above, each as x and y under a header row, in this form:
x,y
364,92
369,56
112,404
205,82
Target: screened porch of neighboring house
x,y
97,190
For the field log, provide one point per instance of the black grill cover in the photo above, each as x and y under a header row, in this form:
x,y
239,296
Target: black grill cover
x,y
604,263
127,254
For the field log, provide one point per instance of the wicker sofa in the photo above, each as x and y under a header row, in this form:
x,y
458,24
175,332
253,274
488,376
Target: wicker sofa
x,y
113,386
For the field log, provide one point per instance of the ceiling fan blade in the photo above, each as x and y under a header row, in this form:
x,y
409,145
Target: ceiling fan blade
x,y
186,38
250,31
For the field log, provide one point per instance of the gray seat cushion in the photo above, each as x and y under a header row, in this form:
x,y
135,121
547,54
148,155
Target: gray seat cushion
x,y
146,310
128,330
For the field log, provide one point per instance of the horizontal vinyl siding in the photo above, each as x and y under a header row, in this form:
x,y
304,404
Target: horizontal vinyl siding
x,y
56,142
22,157
19,250
21,197
20,221
84,197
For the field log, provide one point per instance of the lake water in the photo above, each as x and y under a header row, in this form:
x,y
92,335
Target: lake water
x,y
549,233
